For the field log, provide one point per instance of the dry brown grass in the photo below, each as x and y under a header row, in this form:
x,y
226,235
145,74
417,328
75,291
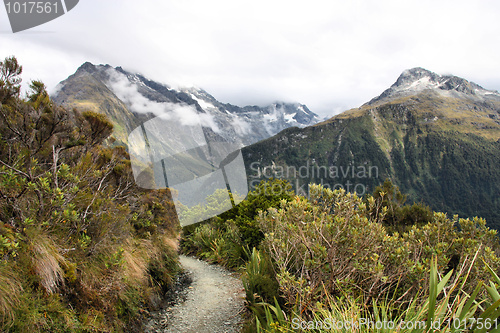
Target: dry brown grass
x,y
47,262
10,290
136,260
170,242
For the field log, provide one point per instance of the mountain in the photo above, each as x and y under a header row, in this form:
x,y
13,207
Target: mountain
x,y
130,99
416,80
436,137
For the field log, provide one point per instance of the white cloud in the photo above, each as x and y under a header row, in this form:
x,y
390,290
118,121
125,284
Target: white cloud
x,y
325,54
241,126
184,114
128,93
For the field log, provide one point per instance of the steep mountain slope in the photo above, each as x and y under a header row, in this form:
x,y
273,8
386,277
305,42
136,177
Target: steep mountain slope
x,y
86,90
437,137
130,99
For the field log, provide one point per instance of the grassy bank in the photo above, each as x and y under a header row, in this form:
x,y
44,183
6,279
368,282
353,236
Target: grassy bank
x,y
82,249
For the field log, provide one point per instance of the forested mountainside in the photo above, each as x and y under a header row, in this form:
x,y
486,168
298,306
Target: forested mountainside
x,y
436,137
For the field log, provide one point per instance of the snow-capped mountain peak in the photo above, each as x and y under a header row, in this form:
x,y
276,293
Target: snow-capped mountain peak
x,y
416,80
116,92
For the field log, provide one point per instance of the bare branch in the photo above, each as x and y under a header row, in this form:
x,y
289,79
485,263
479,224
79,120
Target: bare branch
x,y
16,170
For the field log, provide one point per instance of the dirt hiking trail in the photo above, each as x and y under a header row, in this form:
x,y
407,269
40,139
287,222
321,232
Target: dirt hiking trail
x,y
214,303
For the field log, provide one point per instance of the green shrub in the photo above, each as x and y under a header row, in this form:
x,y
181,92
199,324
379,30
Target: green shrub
x,y
266,195
445,307
332,245
227,238
216,241
398,217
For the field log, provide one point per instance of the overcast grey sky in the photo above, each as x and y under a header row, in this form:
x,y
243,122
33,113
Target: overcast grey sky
x,y
330,55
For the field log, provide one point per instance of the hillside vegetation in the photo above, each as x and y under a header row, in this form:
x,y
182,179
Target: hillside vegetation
x,y
82,249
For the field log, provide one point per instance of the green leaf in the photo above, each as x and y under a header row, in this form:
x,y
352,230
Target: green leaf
x,y
433,292
471,299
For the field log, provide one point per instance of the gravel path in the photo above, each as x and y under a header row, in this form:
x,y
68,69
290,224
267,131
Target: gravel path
x,y
213,303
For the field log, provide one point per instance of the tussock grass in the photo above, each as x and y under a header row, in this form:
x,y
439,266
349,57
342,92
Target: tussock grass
x,y
47,262
10,292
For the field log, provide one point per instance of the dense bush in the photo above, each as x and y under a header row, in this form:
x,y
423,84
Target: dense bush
x,y
398,217
446,308
260,282
265,195
332,245
216,242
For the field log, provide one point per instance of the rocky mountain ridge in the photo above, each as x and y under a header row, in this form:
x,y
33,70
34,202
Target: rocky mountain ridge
x,y
130,99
